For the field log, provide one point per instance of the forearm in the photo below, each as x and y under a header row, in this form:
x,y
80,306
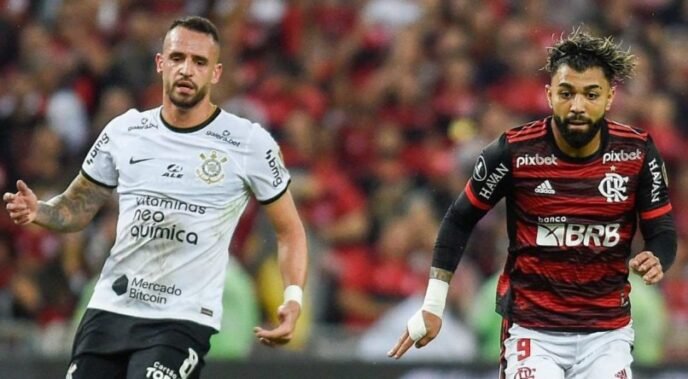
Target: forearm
x,y
455,229
660,239
73,209
663,245
293,258
55,214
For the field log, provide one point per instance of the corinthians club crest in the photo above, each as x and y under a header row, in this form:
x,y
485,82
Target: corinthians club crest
x,y
211,169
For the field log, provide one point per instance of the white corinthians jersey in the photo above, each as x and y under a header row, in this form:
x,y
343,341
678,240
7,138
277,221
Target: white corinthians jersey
x,y
181,193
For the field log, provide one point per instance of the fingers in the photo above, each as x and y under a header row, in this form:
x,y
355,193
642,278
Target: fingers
x,y
8,197
653,275
283,333
648,266
403,344
272,338
23,188
18,211
638,260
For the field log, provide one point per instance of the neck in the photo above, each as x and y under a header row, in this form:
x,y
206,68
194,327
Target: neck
x,y
582,152
187,118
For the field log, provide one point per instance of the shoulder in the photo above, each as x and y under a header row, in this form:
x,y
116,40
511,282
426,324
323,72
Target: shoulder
x,y
527,132
622,131
133,119
238,127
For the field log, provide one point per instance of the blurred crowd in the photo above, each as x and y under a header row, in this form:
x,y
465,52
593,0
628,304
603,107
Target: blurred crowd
x,y
380,107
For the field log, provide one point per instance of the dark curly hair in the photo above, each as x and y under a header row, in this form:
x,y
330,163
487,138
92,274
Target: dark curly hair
x,y
581,51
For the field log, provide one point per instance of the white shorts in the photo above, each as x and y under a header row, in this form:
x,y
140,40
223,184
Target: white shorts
x,y
533,354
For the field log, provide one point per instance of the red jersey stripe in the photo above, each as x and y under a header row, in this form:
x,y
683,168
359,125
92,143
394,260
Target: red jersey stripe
x,y
521,138
626,134
661,211
474,199
524,299
571,272
530,321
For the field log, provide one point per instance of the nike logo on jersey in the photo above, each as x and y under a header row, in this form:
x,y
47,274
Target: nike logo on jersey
x,y
135,161
545,187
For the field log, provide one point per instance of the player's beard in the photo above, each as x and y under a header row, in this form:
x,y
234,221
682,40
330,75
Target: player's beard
x,y
186,101
576,138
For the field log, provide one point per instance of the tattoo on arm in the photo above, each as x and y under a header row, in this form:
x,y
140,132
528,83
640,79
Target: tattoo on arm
x,y
74,208
443,275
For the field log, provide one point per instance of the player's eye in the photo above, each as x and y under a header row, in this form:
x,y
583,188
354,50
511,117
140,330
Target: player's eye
x,y
565,94
592,95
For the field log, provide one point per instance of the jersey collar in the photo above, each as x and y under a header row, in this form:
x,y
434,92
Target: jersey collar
x,y
192,129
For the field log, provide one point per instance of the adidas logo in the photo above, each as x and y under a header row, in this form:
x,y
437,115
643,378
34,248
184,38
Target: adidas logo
x,y
545,187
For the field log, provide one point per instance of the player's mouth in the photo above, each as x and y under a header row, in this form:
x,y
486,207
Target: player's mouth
x,y
578,121
185,86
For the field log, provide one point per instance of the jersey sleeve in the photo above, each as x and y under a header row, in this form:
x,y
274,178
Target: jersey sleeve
x,y
99,164
266,173
491,175
652,198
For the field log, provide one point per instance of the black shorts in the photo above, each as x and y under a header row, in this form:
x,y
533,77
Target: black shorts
x,y
113,346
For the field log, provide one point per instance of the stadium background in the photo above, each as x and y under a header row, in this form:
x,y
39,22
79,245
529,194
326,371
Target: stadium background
x,y
380,107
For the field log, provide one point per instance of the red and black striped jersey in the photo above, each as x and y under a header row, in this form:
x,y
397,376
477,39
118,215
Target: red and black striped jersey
x,y
570,222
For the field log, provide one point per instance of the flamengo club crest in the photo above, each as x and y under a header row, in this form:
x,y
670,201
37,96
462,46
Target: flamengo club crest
x,y
613,187
211,168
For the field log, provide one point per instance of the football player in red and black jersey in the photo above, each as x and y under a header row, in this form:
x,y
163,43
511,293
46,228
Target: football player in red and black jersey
x,y
576,185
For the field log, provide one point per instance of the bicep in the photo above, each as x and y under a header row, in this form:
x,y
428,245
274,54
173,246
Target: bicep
x,y
86,196
283,214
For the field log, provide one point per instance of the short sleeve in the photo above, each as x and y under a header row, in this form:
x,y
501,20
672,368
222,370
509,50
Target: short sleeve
x,y
491,175
653,194
266,173
99,165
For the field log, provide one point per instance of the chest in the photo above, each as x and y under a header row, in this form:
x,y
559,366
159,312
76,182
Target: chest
x,y
184,167
544,181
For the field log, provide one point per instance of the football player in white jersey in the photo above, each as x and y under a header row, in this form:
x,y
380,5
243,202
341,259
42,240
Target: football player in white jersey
x,y
184,173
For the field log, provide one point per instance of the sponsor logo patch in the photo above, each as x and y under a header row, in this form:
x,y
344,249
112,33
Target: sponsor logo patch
x,y
102,141
545,187
621,156
536,160
120,285
493,180
572,235
160,371
480,170
144,124
276,166
225,136
135,161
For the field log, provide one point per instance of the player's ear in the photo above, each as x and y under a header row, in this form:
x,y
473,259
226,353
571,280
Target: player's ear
x,y
610,98
548,94
217,73
158,63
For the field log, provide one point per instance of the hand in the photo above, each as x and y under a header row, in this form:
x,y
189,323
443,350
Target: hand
x,y
288,314
21,205
433,324
647,265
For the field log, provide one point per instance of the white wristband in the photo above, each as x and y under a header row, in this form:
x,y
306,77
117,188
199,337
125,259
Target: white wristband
x,y
293,293
416,326
436,297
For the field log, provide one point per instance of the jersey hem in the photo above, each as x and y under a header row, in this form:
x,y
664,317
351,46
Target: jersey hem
x,y
276,197
158,316
90,178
